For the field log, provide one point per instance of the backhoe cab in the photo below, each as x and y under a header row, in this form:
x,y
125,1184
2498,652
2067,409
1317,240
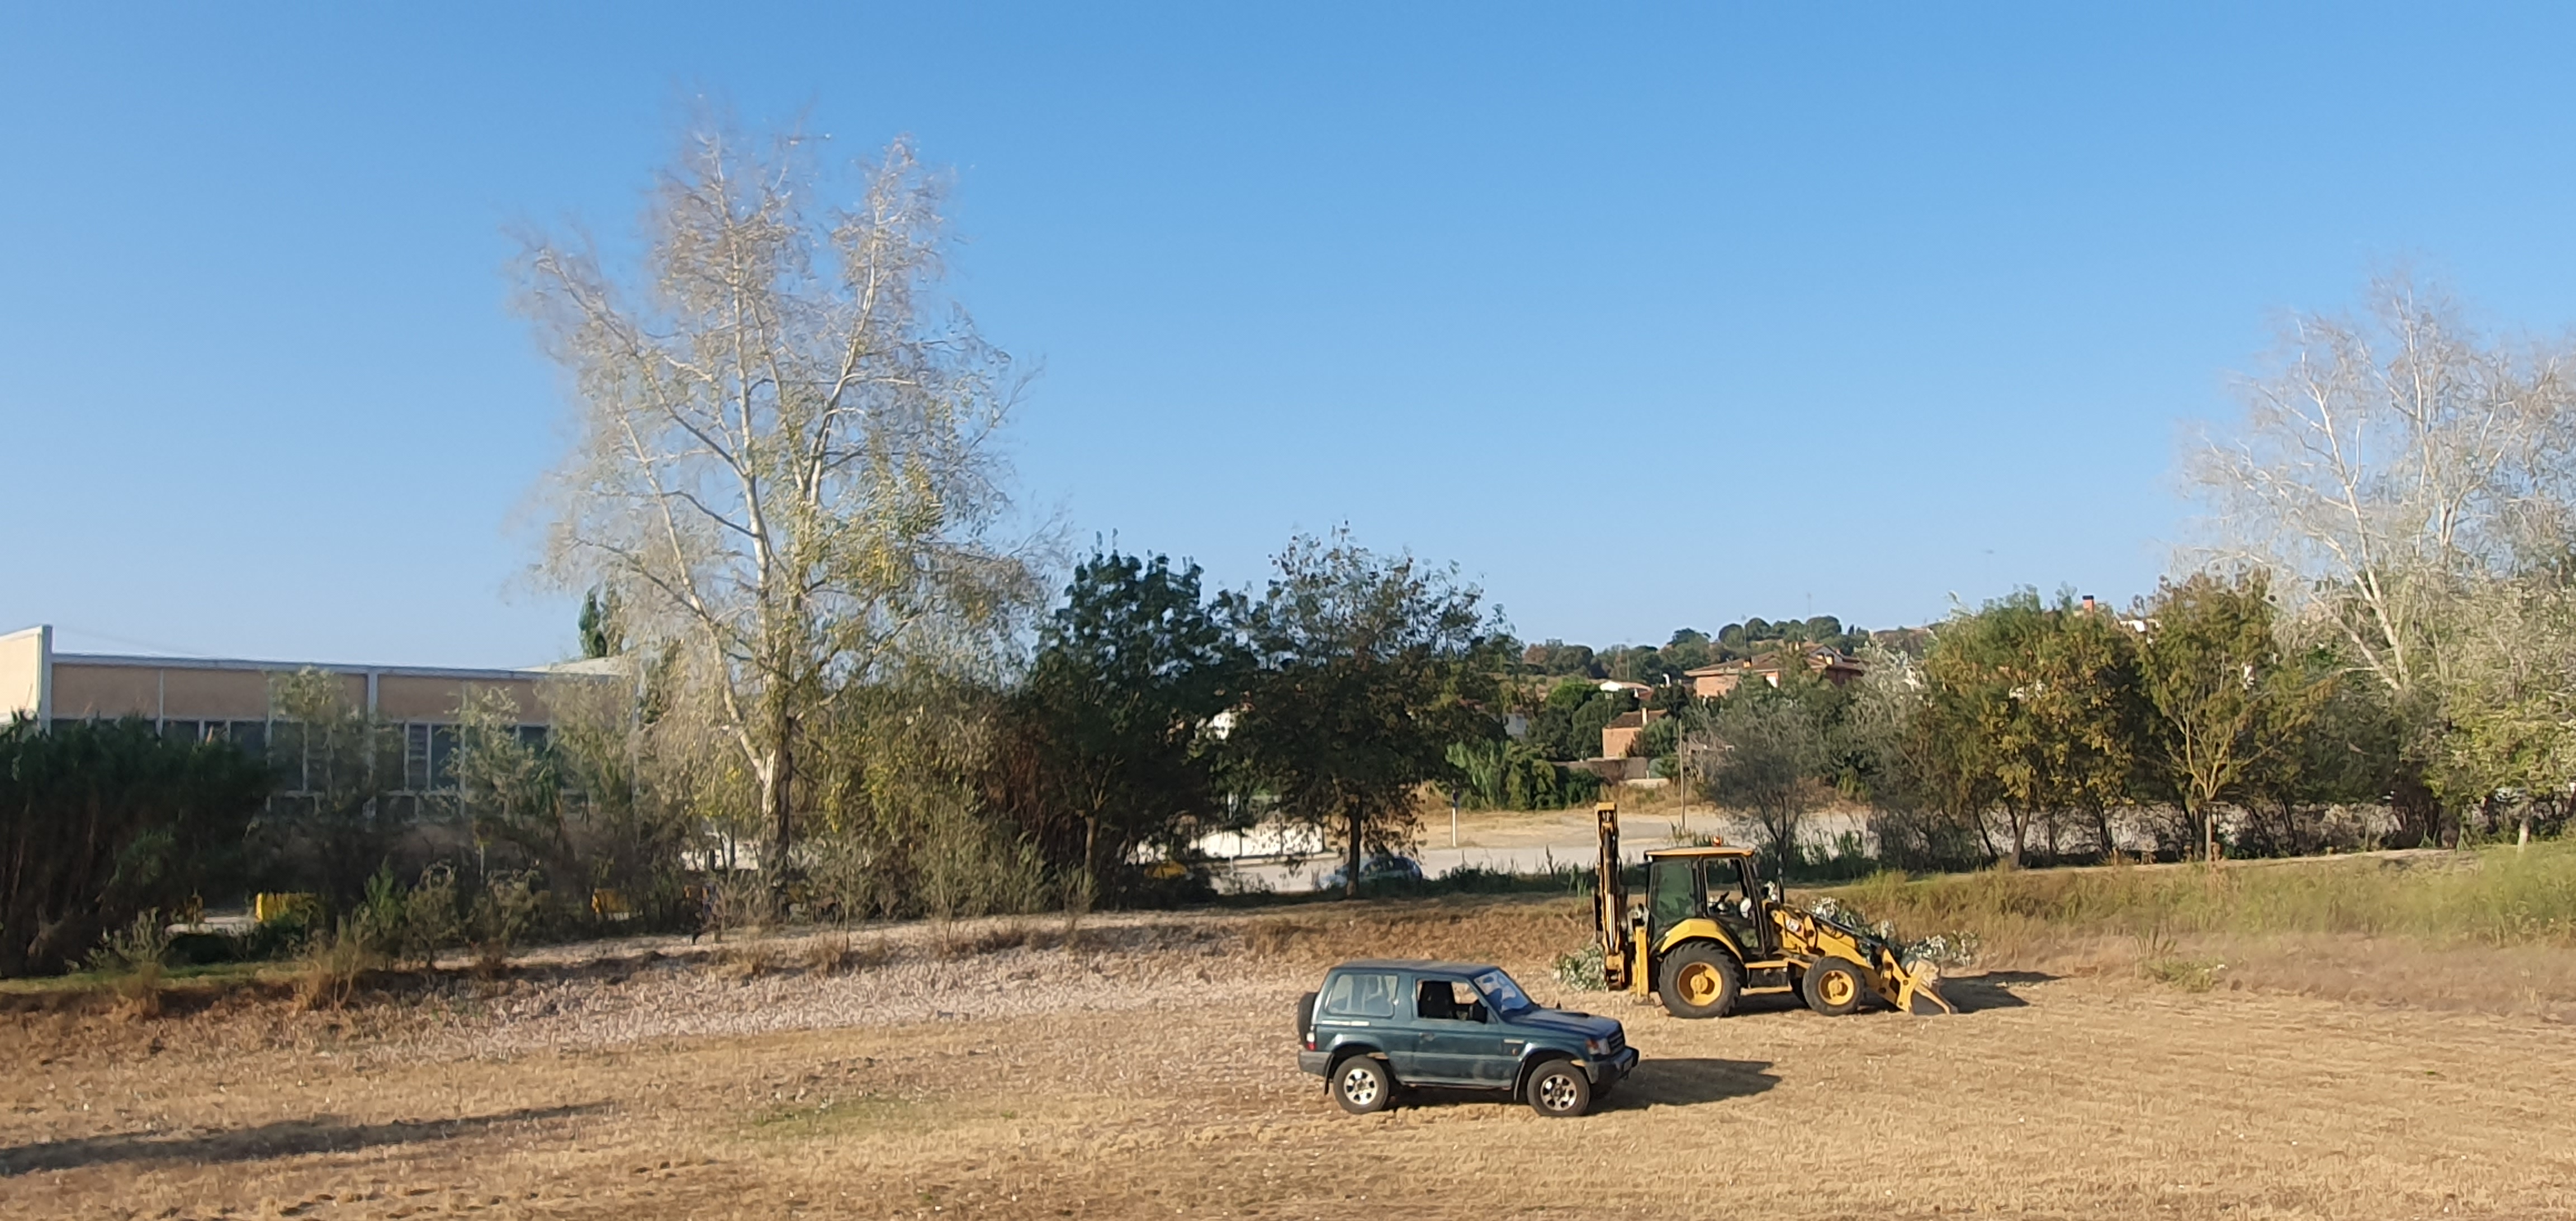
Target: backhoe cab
x,y
1712,931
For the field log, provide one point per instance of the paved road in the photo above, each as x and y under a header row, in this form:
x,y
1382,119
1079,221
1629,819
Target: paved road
x,y
1286,878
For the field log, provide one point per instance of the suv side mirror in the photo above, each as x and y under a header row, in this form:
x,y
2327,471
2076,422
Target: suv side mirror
x,y
1476,1012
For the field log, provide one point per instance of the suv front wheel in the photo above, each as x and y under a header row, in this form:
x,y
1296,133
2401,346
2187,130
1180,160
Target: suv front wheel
x,y
1559,1089
1361,1085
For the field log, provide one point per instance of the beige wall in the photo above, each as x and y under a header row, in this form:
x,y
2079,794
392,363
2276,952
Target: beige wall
x,y
214,695
181,692
1715,686
105,691
402,697
22,673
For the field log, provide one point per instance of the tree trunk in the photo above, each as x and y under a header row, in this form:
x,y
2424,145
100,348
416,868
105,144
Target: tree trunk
x,y
782,807
2419,816
1090,850
2207,817
1351,875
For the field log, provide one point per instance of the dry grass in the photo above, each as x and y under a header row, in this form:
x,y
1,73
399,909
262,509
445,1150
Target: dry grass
x,y
1149,1073
2495,897
2488,931
328,971
139,991
747,960
836,953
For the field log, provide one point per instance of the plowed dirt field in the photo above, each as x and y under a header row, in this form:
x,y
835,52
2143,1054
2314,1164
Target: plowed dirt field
x,y
1147,1071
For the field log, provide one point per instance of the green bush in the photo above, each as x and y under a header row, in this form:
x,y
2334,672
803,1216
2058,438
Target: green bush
x,y
100,821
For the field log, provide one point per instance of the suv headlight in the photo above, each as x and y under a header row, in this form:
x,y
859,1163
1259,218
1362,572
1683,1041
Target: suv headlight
x,y
1598,1047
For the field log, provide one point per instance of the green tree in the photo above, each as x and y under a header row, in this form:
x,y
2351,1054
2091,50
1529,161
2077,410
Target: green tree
x,y
1765,753
1371,667
2385,468
2226,702
2043,696
2510,704
339,765
510,790
1568,724
1109,746
2351,754
782,464
1923,769
102,821
601,636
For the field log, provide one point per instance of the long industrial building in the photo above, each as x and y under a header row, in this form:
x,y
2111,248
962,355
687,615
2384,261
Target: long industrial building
x,y
202,699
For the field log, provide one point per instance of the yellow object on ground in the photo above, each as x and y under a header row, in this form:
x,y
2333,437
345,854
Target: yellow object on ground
x,y
1712,931
270,905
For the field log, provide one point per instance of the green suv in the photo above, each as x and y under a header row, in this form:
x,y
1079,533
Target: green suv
x,y
1383,1023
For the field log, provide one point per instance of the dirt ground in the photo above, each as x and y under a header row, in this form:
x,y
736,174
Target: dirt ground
x,y
1147,1071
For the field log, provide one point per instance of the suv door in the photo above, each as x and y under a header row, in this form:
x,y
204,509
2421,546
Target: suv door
x,y
1457,1041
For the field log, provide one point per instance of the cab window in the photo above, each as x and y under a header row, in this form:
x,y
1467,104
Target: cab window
x,y
1672,894
1360,994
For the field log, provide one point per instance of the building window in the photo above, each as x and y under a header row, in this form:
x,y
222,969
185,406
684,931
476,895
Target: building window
x,y
416,758
250,736
442,756
286,741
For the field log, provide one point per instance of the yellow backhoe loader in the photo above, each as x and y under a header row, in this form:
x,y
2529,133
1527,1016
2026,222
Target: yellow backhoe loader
x,y
1711,932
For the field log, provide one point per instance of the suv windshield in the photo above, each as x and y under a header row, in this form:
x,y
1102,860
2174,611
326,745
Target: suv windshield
x,y
1501,993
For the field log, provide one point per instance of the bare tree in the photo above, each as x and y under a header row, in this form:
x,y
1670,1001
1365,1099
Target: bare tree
x,y
1765,752
781,464
2386,464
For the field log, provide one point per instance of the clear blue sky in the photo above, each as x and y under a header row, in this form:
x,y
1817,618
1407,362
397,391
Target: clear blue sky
x,y
1645,317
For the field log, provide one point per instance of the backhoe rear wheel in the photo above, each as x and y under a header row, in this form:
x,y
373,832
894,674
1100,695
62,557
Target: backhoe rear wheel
x,y
1834,987
1700,981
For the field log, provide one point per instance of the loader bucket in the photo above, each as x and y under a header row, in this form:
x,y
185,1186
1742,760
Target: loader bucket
x,y
1915,994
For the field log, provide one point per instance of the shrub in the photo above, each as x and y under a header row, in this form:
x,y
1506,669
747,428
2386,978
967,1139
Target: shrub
x,y
134,959
1584,970
327,973
503,914
143,943
430,921
834,954
101,821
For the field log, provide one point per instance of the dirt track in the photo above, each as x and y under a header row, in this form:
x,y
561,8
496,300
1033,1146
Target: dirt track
x,y
1150,1075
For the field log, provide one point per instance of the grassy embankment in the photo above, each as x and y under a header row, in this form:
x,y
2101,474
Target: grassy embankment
x,y
2486,929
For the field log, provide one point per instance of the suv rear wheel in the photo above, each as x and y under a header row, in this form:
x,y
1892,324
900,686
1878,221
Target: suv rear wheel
x,y
1559,1090
1361,1085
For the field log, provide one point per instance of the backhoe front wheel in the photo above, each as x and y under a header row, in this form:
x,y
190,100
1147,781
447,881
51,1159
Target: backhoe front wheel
x,y
1833,987
1700,981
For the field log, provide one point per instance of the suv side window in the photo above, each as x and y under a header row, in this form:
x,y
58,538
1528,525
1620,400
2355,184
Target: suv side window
x,y
1360,994
1443,1000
